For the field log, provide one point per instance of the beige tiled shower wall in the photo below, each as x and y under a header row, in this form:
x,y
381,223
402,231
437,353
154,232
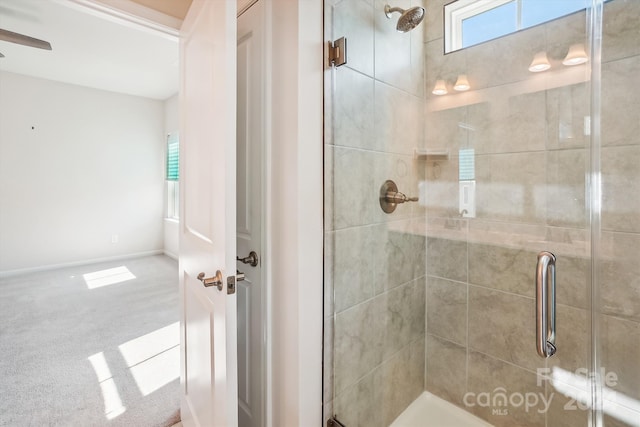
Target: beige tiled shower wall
x,y
531,161
374,262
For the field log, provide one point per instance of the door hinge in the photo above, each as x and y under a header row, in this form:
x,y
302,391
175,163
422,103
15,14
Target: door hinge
x,y
338,52
332,422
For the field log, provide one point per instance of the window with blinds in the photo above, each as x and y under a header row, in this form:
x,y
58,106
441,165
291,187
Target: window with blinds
x,y
467,166
173,157
173,175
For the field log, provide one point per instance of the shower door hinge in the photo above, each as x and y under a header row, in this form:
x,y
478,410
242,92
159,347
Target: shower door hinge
x,y
338,52
332,422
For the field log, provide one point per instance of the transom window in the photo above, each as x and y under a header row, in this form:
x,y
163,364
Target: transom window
x,y
469,22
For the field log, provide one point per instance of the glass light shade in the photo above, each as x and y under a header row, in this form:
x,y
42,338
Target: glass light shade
x,y
576,55
440,88
462,83
539,63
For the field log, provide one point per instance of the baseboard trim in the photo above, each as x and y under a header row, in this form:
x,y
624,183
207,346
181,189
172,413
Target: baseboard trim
x,y
8,273
170,255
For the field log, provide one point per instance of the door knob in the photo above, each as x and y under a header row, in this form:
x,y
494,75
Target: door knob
x,y
251,259
211,281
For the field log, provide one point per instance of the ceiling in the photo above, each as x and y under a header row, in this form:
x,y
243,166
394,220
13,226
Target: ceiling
x,y
89,49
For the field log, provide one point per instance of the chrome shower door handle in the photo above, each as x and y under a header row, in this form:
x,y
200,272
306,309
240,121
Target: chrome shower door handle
x,y
546,304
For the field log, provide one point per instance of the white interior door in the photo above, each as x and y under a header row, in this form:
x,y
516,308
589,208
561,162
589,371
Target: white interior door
x,y
250,143
208,214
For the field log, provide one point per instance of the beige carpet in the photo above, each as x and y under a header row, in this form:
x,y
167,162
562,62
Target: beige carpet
x,y
95,345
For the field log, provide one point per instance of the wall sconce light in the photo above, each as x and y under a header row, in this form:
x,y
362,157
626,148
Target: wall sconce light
x,y
440,88
539,63
576,55
462,83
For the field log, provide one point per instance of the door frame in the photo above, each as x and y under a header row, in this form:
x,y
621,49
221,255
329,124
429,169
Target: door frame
x,y
294,211
293,191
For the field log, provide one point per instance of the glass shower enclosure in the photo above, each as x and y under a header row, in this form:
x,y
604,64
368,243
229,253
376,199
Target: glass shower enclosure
x,y
482,213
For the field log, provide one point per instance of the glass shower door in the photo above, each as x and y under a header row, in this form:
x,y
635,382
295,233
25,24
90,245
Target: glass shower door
x,y
515,184
511,148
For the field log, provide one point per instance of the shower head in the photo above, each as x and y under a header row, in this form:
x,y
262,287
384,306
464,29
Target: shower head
x,y
409,18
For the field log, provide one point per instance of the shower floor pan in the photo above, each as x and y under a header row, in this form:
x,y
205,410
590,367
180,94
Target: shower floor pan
x,y
431,411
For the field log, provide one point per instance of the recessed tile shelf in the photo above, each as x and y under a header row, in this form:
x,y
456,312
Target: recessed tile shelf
x,y
431,155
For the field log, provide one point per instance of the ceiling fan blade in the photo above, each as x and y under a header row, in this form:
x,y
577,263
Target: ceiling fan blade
x,y
10,36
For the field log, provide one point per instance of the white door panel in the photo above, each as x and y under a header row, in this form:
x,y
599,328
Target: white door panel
x,y
207,214
250,151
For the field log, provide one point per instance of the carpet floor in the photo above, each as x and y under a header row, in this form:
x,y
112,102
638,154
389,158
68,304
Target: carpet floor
x,y
92,345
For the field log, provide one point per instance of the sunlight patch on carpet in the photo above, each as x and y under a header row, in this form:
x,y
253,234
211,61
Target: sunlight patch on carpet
x,y
111,276
154,358
112,403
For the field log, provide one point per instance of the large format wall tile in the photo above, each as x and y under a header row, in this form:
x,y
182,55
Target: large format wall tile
x,y
398,254
511,187
434,22
328,188
353,19
446,369
399,57
566,172
503,326
572,339
564,32
352,273
572,278
443,130
506,269
447,259
565,411
620,196
442,67
402,312
621,101
354,198
356,405
509,124
620,344
399,381
489,375
358,343
327,361
620,32
567,108
620,275
328,307
398,120
447,309
505,60
353,109
442,188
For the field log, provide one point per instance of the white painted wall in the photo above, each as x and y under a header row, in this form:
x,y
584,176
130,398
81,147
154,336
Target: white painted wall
x,y
77,166
295,203
171,124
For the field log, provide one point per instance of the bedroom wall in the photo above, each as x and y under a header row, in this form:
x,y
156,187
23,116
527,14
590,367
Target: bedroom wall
x,y
78,167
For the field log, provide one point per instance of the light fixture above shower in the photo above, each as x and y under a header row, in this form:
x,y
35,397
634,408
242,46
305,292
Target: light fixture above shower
x,y
540,63
576,55
409,18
